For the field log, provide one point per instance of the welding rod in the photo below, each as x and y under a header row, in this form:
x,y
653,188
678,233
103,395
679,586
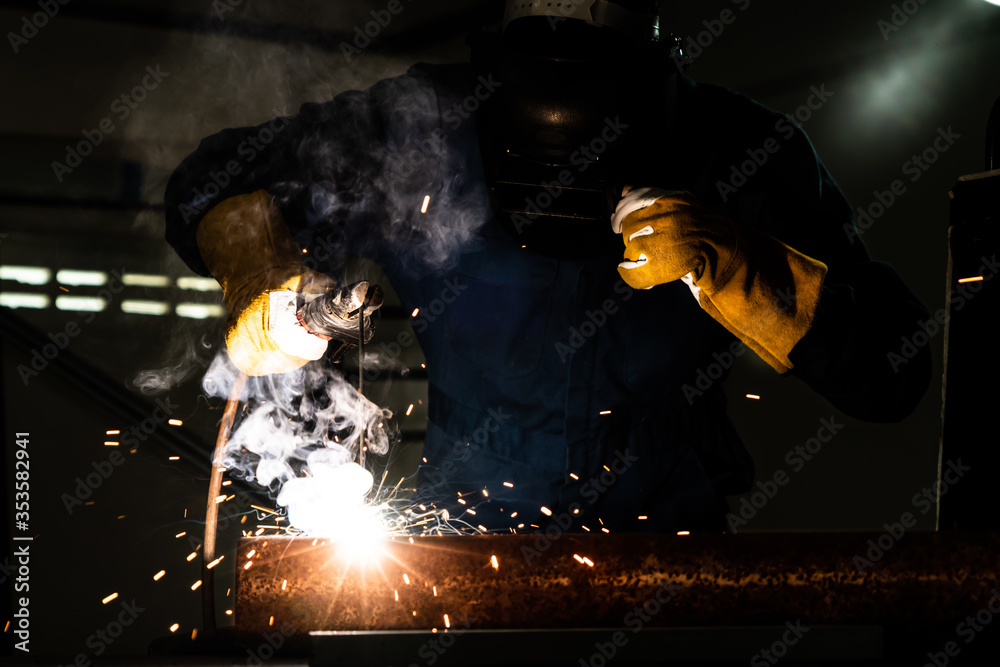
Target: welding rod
x,y
212,509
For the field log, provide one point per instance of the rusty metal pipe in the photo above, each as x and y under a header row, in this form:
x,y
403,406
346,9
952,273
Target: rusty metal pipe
x,y
714,580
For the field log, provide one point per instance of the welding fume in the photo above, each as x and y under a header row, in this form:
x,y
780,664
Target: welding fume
x,y
566,202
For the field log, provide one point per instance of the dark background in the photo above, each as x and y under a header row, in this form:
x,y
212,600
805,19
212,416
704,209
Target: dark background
x,y
240,63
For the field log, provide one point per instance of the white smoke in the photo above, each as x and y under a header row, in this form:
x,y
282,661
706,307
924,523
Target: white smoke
x,y
299,437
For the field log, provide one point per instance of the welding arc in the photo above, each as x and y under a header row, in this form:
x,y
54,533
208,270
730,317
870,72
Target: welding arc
x,y
212,509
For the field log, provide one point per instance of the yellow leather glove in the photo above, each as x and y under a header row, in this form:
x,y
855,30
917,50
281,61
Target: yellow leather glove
x,y
249,250
761,290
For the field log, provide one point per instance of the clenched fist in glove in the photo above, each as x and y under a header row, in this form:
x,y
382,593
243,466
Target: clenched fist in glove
x,y
735,272
247,247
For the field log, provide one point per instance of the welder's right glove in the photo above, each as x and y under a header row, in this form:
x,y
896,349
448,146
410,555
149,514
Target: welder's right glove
x,y
247,247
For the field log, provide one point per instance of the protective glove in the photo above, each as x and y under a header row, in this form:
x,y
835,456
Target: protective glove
x,y
761,290
247,247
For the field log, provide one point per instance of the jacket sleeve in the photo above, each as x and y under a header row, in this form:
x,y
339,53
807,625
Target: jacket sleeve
x,y
348,175
853,352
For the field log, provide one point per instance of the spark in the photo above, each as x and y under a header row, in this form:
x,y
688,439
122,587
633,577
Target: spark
x,y
415,312
6,627
574,476
461,501
427,200
585,528
110,443
471,511
284,584
601,520
683,532
227,482
406,578
753,396
435,589
181,534
191,556
219,499
514,515
643,517
605,530
588,561
396,594
447,623
270,621
485,493
229,612
493,561
109,598
483,528
606,468
509,485
577,557
175,422
114,432
195,585
576,510
194,633
263,509
248,564
173,628
174,458
408,411
546,511
159,575
970,280
253,551
214,562
604,412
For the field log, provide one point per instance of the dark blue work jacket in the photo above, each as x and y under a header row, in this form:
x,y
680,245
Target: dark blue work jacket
x,y
587,397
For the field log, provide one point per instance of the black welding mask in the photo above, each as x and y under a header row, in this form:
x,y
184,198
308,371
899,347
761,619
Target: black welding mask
x,y
583,91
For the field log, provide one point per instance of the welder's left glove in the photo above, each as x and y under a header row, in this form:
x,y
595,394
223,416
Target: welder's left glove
x,y
761,290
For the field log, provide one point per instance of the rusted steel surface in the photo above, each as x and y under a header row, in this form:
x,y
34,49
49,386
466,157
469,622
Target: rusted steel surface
x,y
635,580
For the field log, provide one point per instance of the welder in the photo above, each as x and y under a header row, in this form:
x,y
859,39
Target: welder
x,y
572,191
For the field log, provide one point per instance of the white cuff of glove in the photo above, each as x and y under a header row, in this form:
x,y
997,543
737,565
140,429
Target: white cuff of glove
x,y
634,199
288,333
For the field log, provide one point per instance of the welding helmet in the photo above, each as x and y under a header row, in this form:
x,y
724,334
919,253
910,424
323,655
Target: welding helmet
x,y
636,20
572,72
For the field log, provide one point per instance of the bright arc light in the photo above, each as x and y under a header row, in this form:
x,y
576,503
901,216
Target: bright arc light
x,y
76,277
29,275
21,300
93,304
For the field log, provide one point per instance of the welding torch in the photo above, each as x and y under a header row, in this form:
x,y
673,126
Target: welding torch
x,y
342,314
